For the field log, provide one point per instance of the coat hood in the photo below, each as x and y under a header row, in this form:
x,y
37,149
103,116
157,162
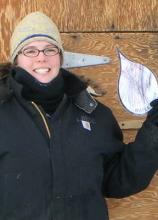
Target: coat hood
x,y
75,88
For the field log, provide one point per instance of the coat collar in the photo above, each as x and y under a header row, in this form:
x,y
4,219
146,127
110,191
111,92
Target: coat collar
x,y
76,89
85,102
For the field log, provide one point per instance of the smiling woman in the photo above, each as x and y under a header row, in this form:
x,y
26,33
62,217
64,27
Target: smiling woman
x,y
37,48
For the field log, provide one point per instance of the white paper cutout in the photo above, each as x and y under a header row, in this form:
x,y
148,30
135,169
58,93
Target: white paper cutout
x,y
137,86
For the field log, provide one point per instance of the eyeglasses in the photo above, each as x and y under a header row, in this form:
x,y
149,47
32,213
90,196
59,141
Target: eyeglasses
x,y
34,52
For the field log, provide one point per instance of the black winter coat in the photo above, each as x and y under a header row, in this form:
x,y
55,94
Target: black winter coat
x,y
62,167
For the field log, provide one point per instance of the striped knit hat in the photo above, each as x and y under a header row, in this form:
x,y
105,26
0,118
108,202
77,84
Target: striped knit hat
x,y
35,26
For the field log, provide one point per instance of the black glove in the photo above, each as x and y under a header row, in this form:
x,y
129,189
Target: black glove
x,y
152,115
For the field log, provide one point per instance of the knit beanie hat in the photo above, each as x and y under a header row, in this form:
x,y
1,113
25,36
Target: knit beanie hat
x,y
35,26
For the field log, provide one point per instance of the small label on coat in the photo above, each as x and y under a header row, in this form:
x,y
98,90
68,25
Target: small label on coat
x,y
86,125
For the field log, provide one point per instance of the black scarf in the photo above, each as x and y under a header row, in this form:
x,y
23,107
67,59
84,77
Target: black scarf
x,y
48,95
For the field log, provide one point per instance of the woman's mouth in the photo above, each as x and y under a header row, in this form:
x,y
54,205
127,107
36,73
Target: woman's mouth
x,y
42,71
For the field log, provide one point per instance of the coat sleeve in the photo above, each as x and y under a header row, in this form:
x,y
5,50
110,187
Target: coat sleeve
x,y
131,169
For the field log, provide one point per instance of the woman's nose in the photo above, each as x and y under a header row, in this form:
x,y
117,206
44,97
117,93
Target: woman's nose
x,y
41,56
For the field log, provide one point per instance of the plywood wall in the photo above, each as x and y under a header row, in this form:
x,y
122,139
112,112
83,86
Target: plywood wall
x,y
99,27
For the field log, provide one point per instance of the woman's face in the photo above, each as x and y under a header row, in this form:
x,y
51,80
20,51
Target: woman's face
x,y
43,68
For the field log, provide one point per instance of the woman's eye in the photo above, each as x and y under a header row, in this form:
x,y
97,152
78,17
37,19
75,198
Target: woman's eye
x,y
51,50
30,51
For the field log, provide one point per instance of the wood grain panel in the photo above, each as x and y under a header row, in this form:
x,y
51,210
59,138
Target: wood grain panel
x,y
114,15
85,15
143,205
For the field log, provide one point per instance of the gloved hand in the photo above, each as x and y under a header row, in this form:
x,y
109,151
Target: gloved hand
x,y
152,115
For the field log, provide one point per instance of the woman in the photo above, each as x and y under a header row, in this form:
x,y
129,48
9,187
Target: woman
x,y
61,151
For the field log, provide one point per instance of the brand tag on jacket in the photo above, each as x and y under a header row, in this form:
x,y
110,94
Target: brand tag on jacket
x,y
86,125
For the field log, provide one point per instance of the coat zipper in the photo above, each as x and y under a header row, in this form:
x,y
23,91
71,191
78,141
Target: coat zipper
x,y
49,134
43,118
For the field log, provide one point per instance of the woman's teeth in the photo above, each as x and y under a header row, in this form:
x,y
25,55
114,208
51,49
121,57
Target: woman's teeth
x,y
42,70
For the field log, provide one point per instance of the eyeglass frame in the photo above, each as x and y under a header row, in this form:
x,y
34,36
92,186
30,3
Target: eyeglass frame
x,y
43,51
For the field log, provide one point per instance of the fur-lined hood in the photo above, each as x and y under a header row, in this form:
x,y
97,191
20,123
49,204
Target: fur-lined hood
x,y
92,87
76,88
